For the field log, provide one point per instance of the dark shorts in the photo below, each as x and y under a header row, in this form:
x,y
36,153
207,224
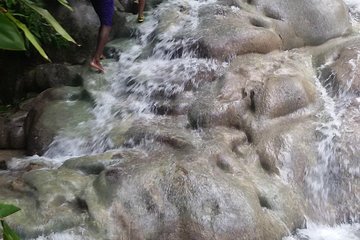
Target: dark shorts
x,y
105,10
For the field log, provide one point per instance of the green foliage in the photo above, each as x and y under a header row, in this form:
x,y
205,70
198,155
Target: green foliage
x,y
11,39
4,108
38,26
7,210
8,233
28,35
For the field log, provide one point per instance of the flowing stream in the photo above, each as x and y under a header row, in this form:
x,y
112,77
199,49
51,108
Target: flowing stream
x,y
128,91
322,181
132,82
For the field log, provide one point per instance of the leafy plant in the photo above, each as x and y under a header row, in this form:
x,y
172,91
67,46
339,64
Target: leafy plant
x,y
6,210
19,18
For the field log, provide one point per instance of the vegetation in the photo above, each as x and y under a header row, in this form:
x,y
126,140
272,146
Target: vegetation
x,y
6,210
24,21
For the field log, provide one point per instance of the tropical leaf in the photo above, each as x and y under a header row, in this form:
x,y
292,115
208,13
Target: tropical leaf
x,y
7,209
8,233
50,19
9,3
65,3
10,37
28,35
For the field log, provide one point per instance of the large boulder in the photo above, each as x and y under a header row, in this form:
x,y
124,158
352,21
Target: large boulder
x,y
168,193
56,109
4,142
57,192
274,102
224,33
314,22
239,27
49,75
12,135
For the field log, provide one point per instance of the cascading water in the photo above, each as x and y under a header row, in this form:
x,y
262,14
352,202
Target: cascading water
x,y
327,191
133,81
129,92
324,187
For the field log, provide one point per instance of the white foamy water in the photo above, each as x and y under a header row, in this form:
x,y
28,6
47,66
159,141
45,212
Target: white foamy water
x,y
132,82
324,232
353,5
327,194
62,236
354,8
66,235
172,66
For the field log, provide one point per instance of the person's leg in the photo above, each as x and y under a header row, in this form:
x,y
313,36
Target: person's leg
x,y
103,37
105,11
141,11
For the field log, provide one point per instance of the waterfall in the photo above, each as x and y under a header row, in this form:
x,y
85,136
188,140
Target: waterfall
x,y
132,82
325,189
159,64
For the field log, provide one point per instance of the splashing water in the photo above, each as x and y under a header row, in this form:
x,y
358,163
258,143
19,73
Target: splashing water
x,y
354,8
326,192
323,232
130,91
134,81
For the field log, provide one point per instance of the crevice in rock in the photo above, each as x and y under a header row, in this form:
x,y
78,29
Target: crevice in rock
x,y
249,137
258,23
150,204
272,14
264,202
252,101
161,109
223,164
81,205
265,165
3,165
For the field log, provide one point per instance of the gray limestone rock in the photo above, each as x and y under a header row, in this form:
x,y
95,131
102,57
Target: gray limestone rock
x,y
57,109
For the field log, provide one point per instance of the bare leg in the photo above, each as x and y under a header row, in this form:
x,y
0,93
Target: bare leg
x,y
141,10
103,37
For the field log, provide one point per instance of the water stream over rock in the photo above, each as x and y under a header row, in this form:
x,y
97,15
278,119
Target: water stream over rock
x,y
216,120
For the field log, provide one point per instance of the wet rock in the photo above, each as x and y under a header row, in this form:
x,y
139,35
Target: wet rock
x,y
345,70
6,155
58,109
52,75
17,137
312,21
200,115
95,164
225,33
188,198
232,164
12,134
4,141
268,90
167,131
60,201
346,181
27,104
284,94
240,27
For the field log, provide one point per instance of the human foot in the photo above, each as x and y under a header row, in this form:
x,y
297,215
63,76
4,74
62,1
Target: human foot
x,y
141,19
95,64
